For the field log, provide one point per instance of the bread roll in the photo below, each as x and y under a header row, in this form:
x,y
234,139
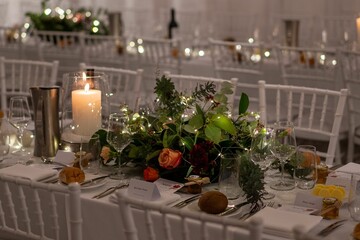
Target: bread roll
x,y
71,174
213,202
356,232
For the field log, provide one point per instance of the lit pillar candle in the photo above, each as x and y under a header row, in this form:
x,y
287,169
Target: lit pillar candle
x,y
358,28
86,108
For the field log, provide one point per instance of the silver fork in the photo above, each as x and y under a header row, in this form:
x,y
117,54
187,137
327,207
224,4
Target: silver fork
x,y
110,190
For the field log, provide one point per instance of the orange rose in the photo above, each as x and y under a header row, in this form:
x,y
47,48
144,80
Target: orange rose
x,y
169,158
151,174
105,153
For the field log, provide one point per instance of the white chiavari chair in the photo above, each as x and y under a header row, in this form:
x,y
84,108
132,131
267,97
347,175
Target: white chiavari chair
x,y
186,83
35,210
125,85
146,220
10,42
107,51
309,67
314,68
164,54
299,104
350,64
237,59
17,76
65,47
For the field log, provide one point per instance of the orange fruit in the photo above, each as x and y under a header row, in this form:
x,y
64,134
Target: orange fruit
x,y
308,159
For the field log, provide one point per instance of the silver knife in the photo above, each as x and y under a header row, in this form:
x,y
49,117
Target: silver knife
x,y
232,209
187,201
331,227
88,182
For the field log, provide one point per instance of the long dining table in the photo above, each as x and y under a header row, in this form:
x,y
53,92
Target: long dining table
x,y
101,217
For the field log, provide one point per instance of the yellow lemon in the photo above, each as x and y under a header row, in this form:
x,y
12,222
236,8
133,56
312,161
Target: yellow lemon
x,y
316,191
338,194
324,193
342,189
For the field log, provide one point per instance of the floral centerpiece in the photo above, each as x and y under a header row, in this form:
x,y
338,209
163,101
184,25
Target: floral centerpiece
x,y
187,134
173,144
70,21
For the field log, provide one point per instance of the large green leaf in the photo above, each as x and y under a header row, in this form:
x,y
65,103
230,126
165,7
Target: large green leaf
x,y
190,129
188,142
243,103
224,123
197,121
213,133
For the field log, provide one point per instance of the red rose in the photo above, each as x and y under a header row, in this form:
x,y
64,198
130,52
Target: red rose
x,y
169,158
151,174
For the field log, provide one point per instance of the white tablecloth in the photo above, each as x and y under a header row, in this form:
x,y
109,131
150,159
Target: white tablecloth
x,y
101,218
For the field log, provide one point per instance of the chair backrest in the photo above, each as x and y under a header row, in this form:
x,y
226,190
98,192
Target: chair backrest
x,y
146,220
109,51
187,83
164,54
34,210
336,31
350,65
236,59
66,47
309,67
17,76
301,106
124,85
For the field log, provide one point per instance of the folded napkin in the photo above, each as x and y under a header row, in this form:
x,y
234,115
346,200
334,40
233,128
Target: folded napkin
x,y
29,172
281,223
164,199
349,168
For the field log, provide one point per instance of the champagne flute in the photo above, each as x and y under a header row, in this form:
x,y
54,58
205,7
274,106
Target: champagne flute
x,y
283,146
19,117
119,137
260,152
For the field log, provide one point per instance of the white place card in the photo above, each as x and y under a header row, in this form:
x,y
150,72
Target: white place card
x,y
340,179
143,190
167,186
64,157
308,200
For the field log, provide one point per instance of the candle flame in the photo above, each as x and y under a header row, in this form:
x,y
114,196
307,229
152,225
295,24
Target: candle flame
x,y
84,76
87,87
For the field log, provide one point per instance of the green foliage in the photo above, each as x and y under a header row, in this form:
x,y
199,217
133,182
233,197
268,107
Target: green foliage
x,y
251,180
76,21
199,135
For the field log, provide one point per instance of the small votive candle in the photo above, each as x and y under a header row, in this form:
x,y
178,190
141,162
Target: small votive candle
x,y
330,208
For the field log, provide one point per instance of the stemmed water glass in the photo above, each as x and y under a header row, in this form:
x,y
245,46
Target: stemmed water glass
x,y
19,117
283,146
119,137
260,151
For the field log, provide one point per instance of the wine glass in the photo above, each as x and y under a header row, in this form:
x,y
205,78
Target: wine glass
x,y
260,151
19,117
4,140
118,136
283,146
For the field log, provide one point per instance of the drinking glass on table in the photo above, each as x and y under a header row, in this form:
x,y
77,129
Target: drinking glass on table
x,y
260,151
119,137
283,146
4,139
19,116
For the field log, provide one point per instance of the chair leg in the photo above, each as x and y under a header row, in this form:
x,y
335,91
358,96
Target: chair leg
x,y
338,159
350,150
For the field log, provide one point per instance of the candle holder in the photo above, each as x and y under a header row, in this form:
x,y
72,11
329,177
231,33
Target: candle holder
x,y
85,107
